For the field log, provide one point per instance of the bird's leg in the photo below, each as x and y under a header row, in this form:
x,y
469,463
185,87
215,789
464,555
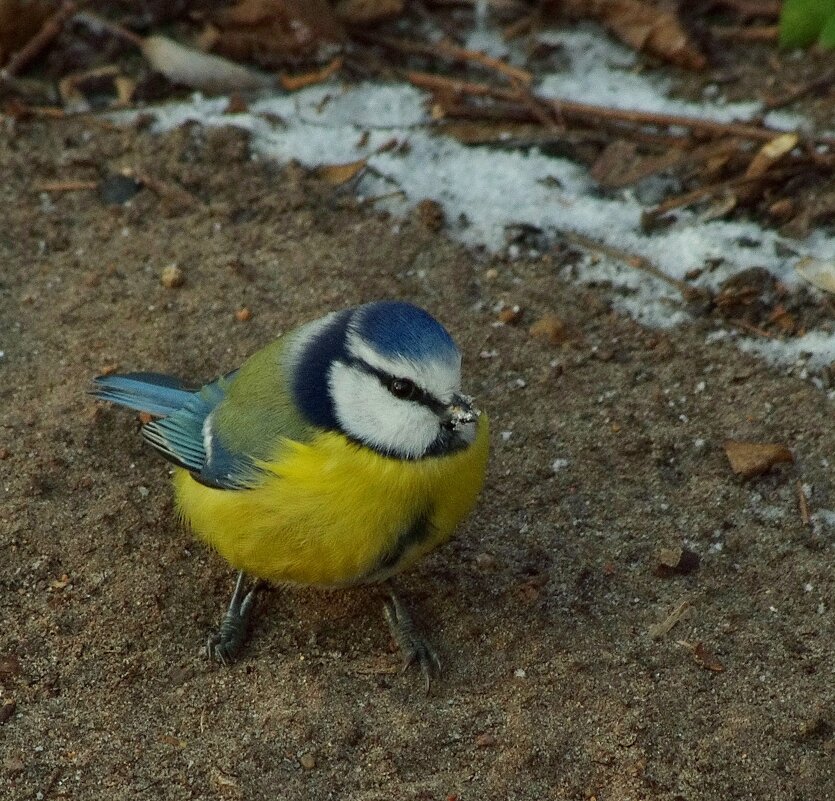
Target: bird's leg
x,y
413,645
225,644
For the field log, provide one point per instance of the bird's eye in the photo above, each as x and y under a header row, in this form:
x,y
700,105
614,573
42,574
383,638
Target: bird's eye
x,y
402,388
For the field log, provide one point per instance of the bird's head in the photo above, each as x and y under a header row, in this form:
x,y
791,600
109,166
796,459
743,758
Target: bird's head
x,y
387,375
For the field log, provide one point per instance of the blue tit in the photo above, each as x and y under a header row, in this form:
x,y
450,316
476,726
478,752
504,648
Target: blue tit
x,y
337,455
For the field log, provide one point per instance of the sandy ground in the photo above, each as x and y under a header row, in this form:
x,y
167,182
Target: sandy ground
x,y
542,606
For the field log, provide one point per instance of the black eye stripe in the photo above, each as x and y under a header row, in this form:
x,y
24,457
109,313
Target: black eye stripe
x,y
419,395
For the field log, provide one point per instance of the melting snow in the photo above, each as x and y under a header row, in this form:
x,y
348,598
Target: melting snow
x,y
484,189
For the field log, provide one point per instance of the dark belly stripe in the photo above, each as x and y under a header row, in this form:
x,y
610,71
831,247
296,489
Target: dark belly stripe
x,y
415,534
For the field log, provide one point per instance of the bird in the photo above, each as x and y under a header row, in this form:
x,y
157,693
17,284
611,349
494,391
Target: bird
x,y
337,455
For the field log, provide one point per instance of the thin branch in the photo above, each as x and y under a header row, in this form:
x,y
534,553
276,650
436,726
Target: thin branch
x,y
450,52
40,41
585,111
688,292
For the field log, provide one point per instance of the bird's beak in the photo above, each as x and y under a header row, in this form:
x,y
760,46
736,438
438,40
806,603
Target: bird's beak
x,y
461,411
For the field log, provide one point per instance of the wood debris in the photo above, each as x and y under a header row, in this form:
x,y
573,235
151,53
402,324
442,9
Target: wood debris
x,y
817,272
644,27
198,70
803,505
274,33
338,174
676,561
679,613
748,459
550,328
703,656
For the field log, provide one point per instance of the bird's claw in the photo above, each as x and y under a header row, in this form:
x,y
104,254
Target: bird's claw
x,y
413,645
226,643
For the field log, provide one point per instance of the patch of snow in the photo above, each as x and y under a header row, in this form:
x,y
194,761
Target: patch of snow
x,y
483,190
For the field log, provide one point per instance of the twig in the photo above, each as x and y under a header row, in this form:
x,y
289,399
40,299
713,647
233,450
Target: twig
x,y
587,112
754,329
539,110
746,33
687,291
822,82
64,186
292,83
754,8
385,196
803,505
688,198
33,48
96,22
450,52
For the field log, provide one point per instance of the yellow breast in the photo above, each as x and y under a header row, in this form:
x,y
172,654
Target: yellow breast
x,y
332,513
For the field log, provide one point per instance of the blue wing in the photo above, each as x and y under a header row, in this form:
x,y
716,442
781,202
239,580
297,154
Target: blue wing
x,y
184,434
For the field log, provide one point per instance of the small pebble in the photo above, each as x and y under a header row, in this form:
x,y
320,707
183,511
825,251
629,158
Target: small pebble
x,y
485,740
172,277
307,761
243,315
430,213
510,315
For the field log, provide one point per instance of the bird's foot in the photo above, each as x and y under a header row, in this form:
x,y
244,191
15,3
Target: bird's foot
x,y
226,643
413,645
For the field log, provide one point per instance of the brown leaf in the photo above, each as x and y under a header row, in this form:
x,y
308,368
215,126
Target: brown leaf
x,y
363,12
770,153
292,83
620,164
706,658
338,174
644,27
755,458
275,32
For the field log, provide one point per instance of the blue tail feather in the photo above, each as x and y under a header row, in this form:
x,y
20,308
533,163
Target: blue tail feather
x,y
181,435
155,393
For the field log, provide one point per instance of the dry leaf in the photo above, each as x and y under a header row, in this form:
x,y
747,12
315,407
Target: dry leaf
x,y
292,83
724,203
620,164
644,27
275,32
817,272
706,658
338,174
755,458
363,12
770,153
185,65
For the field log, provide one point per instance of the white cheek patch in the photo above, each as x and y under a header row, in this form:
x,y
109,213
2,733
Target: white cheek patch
x,y
440,378
367,411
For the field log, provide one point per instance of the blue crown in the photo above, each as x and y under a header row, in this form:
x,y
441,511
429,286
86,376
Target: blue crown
x,y
395,328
